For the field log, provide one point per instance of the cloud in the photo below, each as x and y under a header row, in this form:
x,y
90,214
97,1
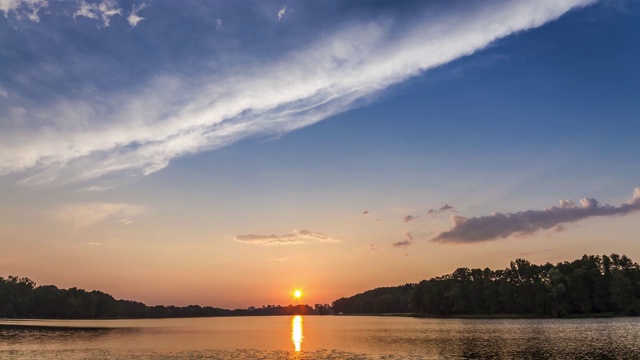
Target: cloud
x,y
28,8
401,244
281,13
101,11
404,243
500,226
139,128
219,24
409,218
445,207
125,222
373,247
93,188
94,243
366,212
133,17
82,215
294,238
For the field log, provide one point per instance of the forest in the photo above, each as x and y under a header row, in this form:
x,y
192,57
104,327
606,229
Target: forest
x,y
21,298
589,286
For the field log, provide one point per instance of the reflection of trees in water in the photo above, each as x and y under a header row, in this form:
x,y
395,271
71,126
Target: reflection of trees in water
x,y
15,334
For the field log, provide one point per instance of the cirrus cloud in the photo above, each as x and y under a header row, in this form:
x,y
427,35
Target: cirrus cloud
x,y
137,128
28,8
82,215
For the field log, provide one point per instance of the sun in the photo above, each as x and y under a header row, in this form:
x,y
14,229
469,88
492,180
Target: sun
x,y
297,294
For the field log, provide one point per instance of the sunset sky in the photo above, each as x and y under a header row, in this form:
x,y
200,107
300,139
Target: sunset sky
x,y
225,153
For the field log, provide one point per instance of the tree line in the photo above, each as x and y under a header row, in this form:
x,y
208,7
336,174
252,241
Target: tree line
x,y
587,286
590,285
21,298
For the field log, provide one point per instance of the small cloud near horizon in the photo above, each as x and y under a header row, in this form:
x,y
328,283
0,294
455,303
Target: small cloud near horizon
x,y
445,207
404,243
409,218
524,223
294,238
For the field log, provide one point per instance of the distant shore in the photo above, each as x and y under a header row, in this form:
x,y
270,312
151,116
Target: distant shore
x,y
498,316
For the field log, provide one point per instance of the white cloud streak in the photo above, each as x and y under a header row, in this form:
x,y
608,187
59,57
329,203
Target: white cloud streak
x,y
82,215
102,11
500,226
294,238
141,132
28,8
282,13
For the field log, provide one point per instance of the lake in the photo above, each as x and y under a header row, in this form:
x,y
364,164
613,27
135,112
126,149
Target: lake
x,y
321,337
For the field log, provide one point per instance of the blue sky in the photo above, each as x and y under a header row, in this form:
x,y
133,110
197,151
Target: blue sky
x,y
302,140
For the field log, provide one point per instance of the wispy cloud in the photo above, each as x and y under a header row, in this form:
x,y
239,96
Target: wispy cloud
x,y
20,8
133,17
282,13
140,129
294,238
125,221
102,11
82,215
500,226
93,188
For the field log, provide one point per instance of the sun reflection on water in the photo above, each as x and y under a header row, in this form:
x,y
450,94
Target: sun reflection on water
x,y
296,332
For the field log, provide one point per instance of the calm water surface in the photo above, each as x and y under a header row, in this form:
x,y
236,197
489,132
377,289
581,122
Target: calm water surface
x,y
321,337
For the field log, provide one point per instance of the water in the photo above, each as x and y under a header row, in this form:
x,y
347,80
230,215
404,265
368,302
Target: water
x,y
321,337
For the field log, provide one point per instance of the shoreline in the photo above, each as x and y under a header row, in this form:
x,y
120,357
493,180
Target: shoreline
x,y
23,322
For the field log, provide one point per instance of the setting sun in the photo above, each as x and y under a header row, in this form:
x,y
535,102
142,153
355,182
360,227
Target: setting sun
x,y
297,294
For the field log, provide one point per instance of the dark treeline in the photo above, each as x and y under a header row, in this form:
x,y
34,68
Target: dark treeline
x,y
20,298
587,286
377,301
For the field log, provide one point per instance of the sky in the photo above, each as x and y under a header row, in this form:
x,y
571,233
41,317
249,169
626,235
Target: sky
x,y
225,153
